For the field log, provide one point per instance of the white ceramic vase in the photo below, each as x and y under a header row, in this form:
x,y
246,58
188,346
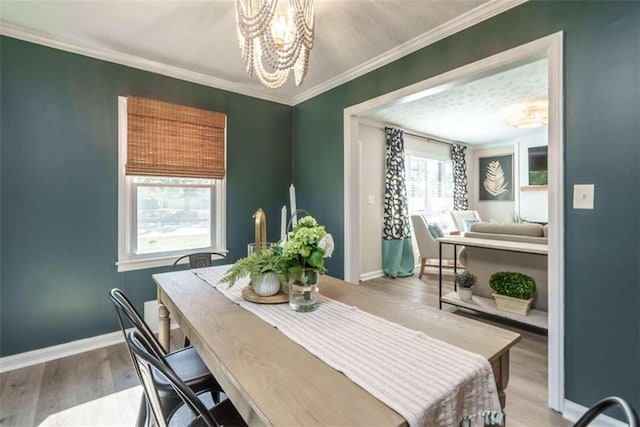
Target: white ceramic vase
x,y
466,294
266,284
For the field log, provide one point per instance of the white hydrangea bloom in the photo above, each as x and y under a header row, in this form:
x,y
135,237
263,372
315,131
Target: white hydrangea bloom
x,y
327,244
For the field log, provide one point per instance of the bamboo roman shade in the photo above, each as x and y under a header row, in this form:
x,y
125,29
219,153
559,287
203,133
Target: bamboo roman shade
x,y
172,140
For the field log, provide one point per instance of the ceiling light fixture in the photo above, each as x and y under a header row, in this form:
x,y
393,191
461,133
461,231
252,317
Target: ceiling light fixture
x,y
531,116
277,34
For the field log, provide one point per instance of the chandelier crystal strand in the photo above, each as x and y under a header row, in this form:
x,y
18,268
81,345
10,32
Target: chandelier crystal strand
x,y
275,36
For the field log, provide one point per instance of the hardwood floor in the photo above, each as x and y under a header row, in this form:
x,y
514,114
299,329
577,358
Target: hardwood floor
x,y
99,388
527,390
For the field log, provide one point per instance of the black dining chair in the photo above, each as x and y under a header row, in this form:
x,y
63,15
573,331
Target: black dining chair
x,y
199,259
151,367
609,402
185,362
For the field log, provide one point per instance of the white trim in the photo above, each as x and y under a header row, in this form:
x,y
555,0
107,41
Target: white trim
x,y
33,36
371,275
123,225
459,23
573,412
127,261
556,218
490,145
42,355
550,46
164,261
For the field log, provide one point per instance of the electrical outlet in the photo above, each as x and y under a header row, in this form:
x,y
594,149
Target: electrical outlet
x,y
371,199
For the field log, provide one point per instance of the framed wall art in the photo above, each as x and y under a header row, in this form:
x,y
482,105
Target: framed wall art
x,y
496,178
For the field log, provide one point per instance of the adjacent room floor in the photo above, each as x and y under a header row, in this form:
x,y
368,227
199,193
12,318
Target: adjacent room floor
x,y
99,388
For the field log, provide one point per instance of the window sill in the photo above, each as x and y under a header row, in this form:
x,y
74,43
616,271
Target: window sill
x,y
162,261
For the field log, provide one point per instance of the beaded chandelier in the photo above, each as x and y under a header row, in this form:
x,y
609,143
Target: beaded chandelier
x,y
275,36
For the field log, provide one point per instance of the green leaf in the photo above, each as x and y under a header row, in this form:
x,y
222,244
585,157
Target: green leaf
x,y
255,265
295,269
316,260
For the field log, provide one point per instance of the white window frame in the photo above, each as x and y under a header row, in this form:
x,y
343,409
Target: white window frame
x,y
128,260
430,156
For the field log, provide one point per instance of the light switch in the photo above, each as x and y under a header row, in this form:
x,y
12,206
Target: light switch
x,y
583,195
370,200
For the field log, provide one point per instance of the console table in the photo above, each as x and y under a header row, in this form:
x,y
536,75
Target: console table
x,y
535,317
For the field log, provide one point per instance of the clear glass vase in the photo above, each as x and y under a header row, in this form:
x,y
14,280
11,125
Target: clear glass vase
x,y
304,297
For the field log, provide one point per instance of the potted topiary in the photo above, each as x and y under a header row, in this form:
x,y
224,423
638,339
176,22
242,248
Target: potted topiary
x,y
266,270
465,282
513,291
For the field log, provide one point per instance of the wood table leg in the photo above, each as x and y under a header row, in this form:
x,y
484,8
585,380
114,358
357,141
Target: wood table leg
x,y
501,374
163,326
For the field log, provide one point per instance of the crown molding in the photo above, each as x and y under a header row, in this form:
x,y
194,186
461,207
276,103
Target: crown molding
x,y
21,33
460,23
474,16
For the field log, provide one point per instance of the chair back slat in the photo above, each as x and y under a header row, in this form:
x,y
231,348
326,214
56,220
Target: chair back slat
x,y
124,307
148,363
198,259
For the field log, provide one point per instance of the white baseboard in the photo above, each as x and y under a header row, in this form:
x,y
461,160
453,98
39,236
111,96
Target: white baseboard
x,y
21,360
572,412
371,275
429,271
46,354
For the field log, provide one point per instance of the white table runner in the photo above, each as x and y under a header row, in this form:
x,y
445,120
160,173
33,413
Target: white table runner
x,y
427,381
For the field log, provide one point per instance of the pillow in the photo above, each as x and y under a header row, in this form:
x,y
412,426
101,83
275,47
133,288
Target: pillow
x,y
522,229
467,223
435,231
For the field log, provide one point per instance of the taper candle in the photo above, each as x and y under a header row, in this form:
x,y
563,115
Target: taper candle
x,y
292,201
283,224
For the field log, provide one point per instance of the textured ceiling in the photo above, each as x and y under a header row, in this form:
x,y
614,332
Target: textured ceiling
x,y
200,36
475,112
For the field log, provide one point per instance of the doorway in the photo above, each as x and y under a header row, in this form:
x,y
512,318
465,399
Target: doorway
x,y
549,47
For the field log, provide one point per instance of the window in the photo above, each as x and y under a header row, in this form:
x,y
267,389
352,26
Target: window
x,y
429,188
171,200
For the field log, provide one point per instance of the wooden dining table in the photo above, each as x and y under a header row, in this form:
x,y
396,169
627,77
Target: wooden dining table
x,y
274,381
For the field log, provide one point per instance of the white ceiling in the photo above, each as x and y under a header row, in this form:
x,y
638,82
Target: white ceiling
x,y
196,40
475,112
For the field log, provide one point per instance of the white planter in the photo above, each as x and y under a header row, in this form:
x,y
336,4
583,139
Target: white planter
x,y
513,305
465,294
266,284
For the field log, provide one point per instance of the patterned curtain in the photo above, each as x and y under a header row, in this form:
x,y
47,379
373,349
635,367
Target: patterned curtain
x,y
397,251
460,194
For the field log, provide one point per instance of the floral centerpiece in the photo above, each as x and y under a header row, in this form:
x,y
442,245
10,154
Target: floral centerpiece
x,y
303,253
306,248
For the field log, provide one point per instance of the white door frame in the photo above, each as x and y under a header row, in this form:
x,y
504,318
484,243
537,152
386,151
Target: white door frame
x,y
551,47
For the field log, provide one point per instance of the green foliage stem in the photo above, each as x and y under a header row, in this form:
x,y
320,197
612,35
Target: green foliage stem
x,y
254,265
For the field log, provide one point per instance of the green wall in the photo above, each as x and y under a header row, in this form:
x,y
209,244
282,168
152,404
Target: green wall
x,y
602,146
60,186
59,183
